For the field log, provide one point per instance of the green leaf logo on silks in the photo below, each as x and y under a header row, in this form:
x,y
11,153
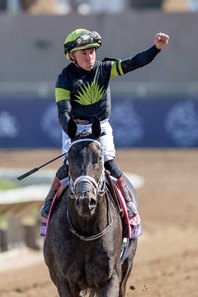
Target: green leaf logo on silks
x,y
90,94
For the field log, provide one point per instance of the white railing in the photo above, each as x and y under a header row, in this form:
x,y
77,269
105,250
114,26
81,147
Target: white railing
x,y
34,194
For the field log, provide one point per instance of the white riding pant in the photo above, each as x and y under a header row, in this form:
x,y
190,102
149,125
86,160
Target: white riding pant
x,y
106,140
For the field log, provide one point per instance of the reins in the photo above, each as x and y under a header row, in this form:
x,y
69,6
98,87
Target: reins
x,y
96,236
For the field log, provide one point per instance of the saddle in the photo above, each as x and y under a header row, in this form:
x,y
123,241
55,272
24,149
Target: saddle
x,y
120,204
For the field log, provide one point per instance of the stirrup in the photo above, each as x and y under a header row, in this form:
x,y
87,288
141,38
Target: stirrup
x,y
45,209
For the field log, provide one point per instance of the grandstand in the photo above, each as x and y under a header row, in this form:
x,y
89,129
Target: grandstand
x,y
90,6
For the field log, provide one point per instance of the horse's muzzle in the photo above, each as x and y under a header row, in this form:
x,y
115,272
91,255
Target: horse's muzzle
x,y
86,203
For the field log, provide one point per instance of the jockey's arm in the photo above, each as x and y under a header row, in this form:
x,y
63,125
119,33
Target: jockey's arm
x,y
120,67
64,106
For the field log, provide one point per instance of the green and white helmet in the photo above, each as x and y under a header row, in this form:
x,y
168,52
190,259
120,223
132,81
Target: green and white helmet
x,y
81,39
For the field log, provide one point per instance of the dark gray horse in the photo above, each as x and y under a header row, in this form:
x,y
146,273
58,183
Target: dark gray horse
x,y
83,243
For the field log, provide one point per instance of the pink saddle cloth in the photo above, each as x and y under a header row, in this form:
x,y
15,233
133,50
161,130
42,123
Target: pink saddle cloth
x,y
133,227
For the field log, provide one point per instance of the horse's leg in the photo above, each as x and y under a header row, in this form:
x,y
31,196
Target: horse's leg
x,y
64,289
111,289
126,268
62,285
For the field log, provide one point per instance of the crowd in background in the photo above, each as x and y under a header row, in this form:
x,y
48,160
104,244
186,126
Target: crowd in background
x,y
93,6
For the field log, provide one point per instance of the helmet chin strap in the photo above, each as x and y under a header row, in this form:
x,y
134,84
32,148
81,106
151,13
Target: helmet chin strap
x,y
71,56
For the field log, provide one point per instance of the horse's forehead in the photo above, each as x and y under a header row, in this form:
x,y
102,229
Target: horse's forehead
x,y
85,156
83,146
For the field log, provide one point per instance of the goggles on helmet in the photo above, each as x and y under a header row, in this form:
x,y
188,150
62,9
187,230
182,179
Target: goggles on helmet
x,y
84,39
87,38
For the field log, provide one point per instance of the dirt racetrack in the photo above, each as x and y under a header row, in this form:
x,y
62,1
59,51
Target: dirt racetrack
x,y
166,263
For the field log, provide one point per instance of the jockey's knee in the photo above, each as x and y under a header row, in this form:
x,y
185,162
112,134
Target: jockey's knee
x,y
62,172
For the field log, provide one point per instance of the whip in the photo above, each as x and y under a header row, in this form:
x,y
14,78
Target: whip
x,y
37,168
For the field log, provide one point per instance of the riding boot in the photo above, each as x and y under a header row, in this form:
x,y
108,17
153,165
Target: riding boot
x,y
131,209
44,211
61,173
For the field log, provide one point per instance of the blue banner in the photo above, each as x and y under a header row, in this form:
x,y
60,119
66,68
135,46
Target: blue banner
x,y
154,122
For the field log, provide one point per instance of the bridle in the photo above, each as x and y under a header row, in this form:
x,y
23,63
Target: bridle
x,y
98,189
93,237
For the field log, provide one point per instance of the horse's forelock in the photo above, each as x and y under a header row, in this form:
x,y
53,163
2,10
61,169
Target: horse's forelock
x,y
85,157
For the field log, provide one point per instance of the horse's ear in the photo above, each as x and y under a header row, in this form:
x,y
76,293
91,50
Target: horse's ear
x,y
71,128
96,128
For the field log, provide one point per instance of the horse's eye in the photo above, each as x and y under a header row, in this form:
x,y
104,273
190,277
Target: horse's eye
x,y
95,160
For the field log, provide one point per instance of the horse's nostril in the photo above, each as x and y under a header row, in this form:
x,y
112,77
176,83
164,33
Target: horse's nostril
x,y
77,202
85,201
92,202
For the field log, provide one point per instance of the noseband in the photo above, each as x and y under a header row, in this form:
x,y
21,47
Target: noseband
x,y
98,187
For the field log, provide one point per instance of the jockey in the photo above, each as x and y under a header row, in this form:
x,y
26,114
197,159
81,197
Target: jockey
x,y
82,92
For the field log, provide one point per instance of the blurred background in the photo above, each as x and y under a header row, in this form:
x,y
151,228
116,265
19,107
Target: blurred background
x,y
154,107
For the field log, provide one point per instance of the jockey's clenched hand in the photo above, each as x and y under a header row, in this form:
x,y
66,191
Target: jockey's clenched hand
x,y
161,40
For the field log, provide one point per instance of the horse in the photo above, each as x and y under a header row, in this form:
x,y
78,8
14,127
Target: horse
x,y
84,236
